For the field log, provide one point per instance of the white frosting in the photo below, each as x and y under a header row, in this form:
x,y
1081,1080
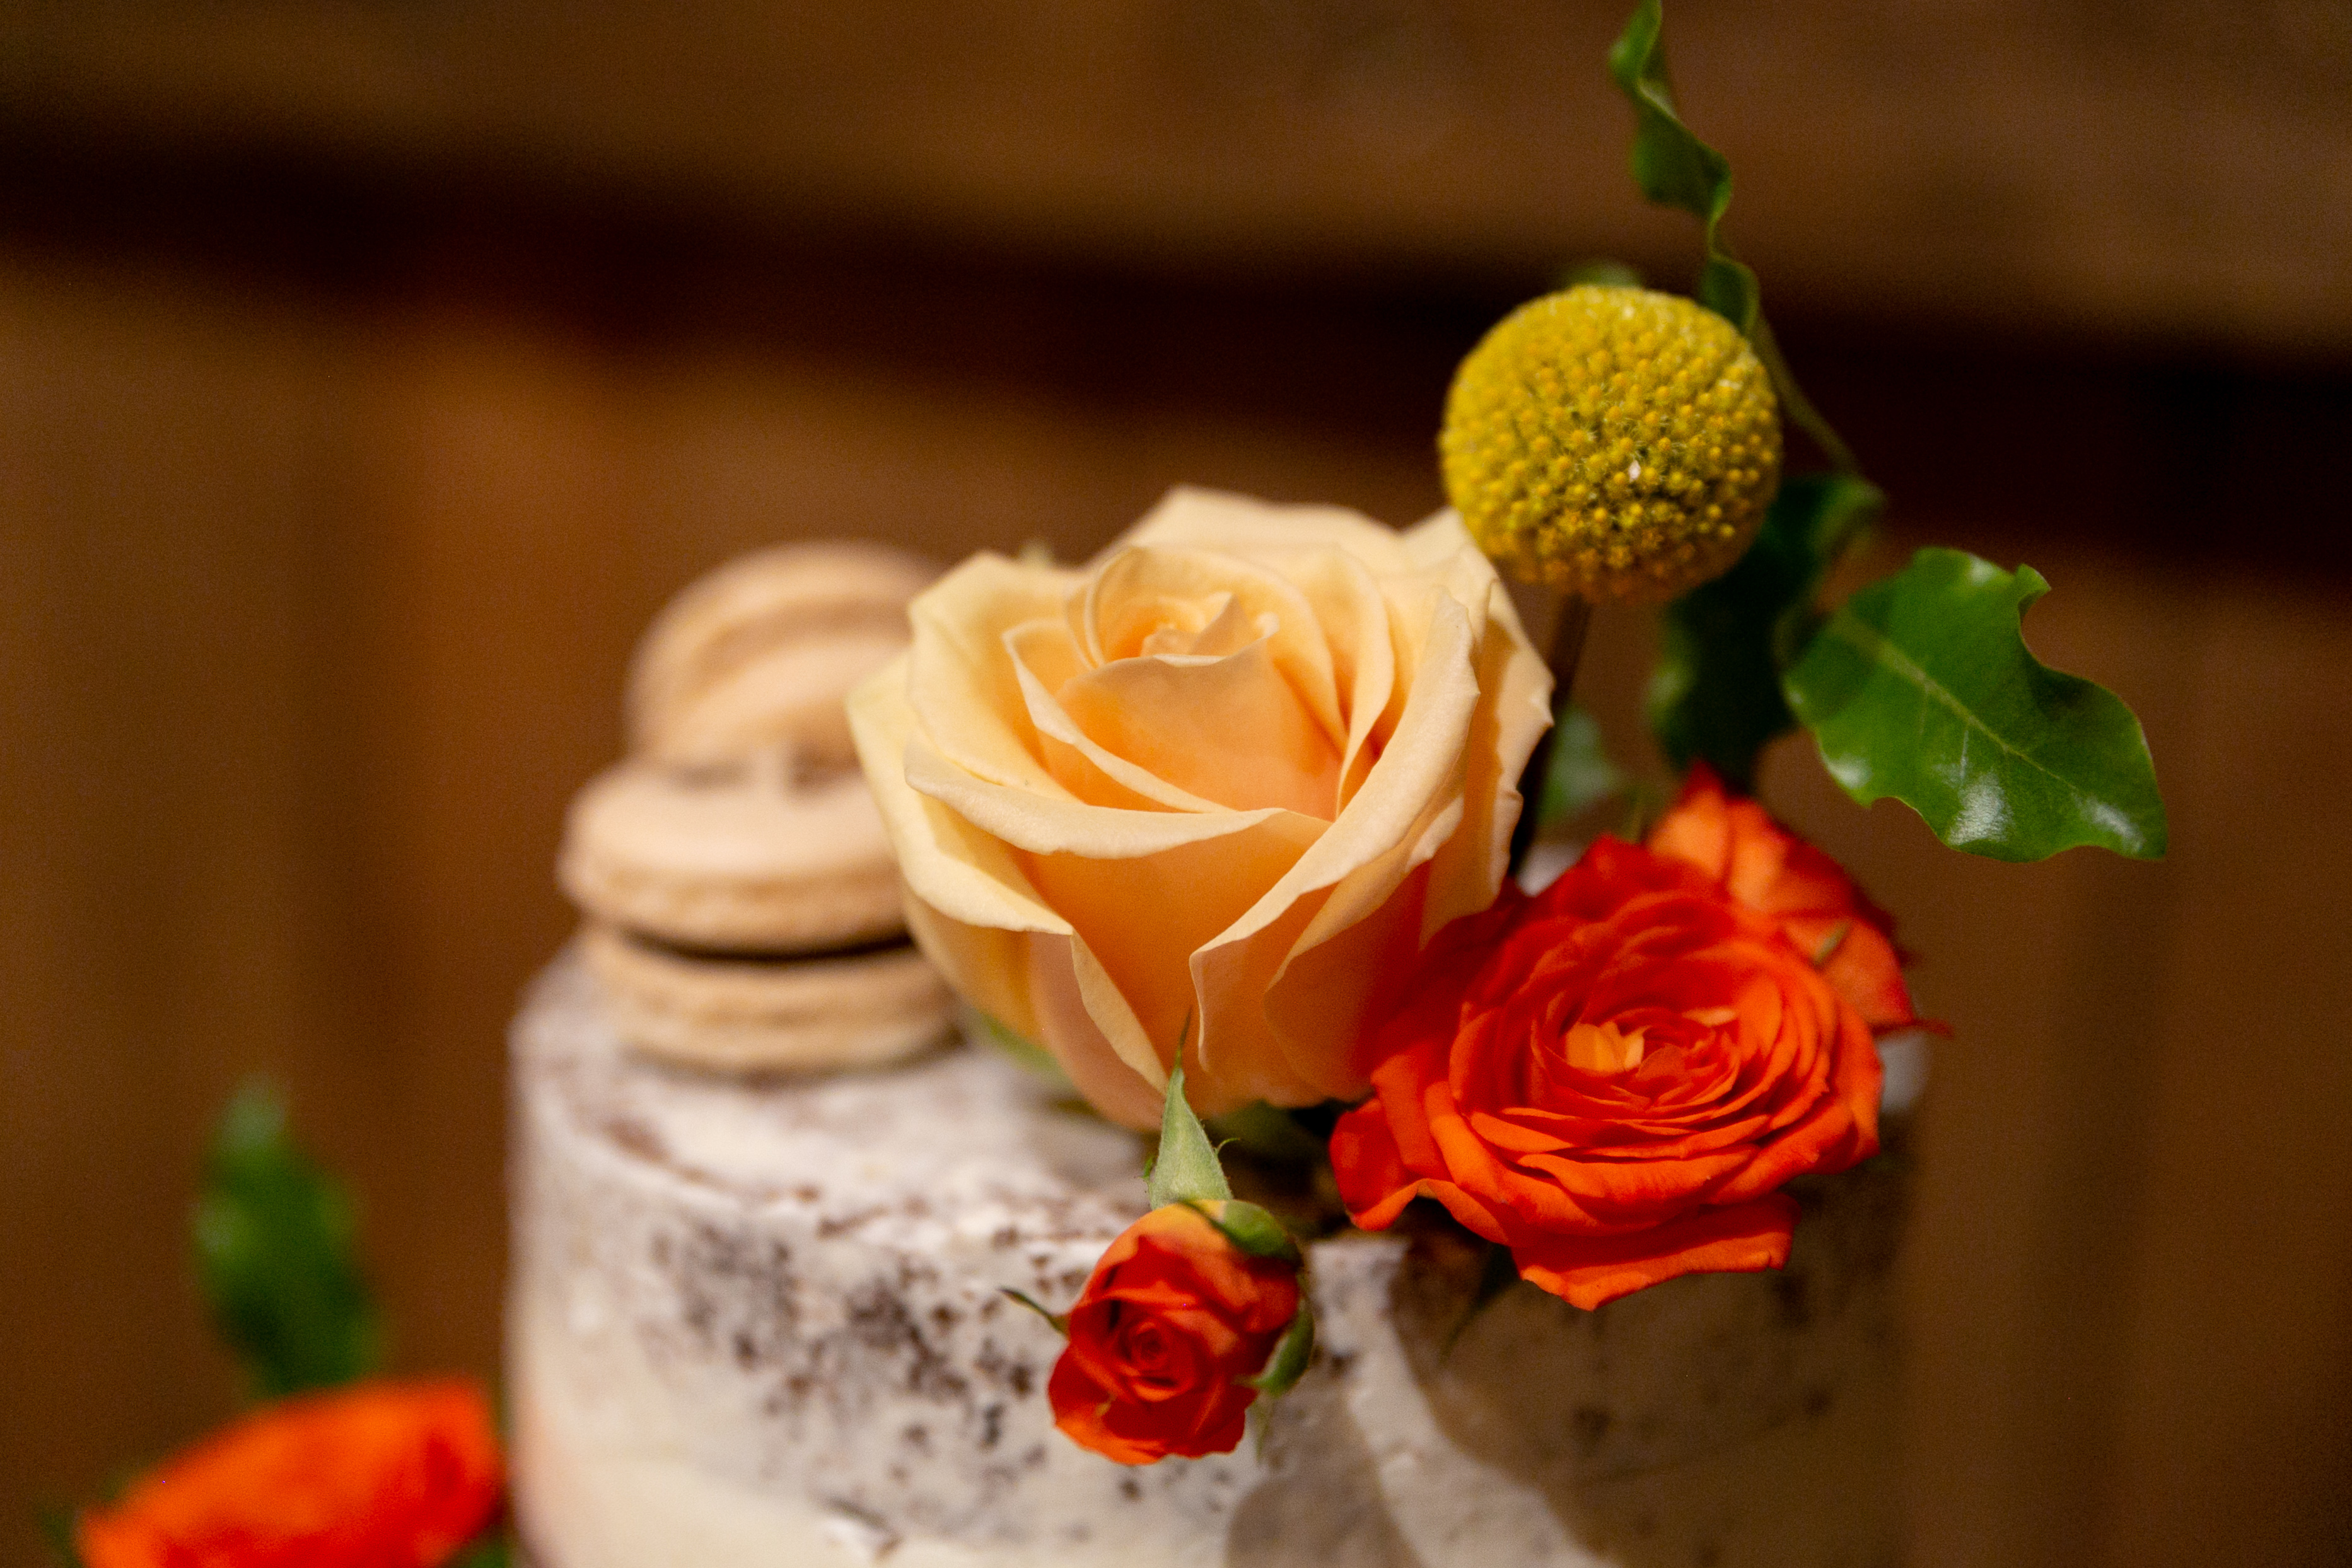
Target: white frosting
x,y
756,1324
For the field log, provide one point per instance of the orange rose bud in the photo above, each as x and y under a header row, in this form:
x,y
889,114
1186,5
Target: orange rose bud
x,y
377,1475
1174,1318
1739,846
1613,1079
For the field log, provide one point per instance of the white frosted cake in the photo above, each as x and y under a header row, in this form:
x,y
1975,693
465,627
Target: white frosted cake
x,y
760,1323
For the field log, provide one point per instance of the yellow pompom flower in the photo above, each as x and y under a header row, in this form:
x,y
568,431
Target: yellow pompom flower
x,y
1616,443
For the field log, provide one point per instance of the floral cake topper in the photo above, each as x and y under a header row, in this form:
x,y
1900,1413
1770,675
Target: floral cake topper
x,y
1228,823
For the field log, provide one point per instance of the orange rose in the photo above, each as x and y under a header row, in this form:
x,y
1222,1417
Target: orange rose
x,y
1739,846
1613,1079
1235,772
378,1475
1174,1316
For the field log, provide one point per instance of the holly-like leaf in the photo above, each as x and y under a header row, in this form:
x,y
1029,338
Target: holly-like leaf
x,y
1716,692
1579,773
1186,1169
1291,1355
1675,169
274,1249
1921,686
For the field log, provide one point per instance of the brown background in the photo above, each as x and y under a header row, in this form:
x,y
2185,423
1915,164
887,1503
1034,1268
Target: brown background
x,y
369,374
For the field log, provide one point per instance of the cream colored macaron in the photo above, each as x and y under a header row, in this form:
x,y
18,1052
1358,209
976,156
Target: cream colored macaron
x,y
763,651
733,858
861,1009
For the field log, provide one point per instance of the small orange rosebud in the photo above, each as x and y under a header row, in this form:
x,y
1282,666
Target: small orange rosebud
x,y
1174,1317
376,1475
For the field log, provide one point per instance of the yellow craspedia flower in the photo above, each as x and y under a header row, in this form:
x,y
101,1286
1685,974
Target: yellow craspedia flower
x,y
1616,443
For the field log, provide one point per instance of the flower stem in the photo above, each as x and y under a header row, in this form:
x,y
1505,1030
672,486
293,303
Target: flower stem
x,y
1568,631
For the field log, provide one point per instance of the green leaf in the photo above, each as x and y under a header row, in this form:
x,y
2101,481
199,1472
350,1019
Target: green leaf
x,y
56,1526
1921,688
275,1250
1675,169
1186,1168
1291,1355
1716,692
1580,772
1251,1229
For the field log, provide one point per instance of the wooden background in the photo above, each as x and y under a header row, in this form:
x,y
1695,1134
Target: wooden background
x,y
369,374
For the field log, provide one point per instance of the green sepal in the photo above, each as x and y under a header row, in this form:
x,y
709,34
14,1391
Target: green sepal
x,y
1061,1320
1186,1167
1251,1229
1921,686
1291,1355
1675,169
275,1250
1716,692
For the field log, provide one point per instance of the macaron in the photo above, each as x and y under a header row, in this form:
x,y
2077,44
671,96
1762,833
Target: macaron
x,y
743,905
742,857
748,1015
763,648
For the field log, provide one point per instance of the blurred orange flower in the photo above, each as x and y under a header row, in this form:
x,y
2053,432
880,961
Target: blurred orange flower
x,y
377,1475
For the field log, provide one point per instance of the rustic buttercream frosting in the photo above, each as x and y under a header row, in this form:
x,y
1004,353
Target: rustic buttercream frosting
x,y
762,1322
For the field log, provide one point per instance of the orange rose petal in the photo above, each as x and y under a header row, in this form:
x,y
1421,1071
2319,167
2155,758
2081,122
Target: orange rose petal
x,y
1591,1270
377,1475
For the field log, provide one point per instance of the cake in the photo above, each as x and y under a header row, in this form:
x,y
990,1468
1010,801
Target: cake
x,y
1322,1166
762,1322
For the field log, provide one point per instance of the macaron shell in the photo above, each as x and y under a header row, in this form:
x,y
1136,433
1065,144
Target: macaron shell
x,y
778,1016
788,694
793,593
740,858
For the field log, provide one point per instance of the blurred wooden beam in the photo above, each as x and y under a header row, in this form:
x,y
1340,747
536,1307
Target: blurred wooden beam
x,y
2172,171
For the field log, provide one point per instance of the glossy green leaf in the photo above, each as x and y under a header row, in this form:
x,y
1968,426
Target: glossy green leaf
x,y
276,1252
1186,1169
1716,692
1580,773
1921,688
1675,169
1292,1354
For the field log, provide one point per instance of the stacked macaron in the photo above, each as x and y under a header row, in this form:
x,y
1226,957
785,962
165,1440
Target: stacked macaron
x,y
741,904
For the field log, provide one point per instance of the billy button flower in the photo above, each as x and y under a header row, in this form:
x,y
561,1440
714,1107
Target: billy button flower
x,y
1618,444
1193,1312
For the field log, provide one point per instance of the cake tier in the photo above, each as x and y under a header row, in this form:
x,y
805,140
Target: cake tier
x,y
761,1324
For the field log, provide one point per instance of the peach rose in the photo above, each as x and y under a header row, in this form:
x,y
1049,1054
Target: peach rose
x,y
1239,769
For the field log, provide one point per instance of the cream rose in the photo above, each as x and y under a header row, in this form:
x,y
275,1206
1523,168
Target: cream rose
x,y
1238,768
